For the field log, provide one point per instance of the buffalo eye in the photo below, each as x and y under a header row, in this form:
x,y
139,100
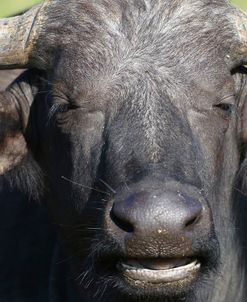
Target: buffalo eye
x,y
60,111
60,105
57,108
60,108
225,108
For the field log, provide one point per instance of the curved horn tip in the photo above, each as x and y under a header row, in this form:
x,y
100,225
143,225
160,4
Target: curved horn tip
x,y
18,36
238,55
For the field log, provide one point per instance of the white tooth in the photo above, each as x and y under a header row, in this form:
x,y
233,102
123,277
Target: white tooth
x,y
160,276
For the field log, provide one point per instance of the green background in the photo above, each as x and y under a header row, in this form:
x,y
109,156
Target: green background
x,y
241,3
10,7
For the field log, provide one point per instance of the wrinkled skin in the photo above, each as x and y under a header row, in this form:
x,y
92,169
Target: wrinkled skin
x,y
132,104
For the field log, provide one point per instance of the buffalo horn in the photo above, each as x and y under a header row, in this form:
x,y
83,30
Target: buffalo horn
x,y
18,36
238,55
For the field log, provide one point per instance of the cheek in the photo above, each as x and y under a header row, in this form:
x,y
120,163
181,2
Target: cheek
x,y
216,139
70,154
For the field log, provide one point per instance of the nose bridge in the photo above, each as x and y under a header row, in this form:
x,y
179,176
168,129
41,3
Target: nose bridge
x,y
160,141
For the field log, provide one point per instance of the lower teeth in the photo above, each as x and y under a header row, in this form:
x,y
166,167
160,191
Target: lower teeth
x,y
159,275
157,264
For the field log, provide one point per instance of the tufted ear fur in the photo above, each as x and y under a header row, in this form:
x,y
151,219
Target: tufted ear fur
x,y
242,100
13,147
240,77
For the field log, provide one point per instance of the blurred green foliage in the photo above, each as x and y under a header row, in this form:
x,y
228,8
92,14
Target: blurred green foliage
x,y
10,7
241,3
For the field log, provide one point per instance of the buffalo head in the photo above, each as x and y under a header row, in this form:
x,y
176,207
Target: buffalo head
x,y
129,125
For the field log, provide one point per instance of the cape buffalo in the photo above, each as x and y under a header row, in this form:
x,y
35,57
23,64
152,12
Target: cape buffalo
x,y
129,126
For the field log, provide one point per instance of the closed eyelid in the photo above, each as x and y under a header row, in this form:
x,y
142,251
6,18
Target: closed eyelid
x,y
227,99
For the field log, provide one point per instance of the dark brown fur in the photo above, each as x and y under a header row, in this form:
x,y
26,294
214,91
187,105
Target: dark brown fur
x,y
133,99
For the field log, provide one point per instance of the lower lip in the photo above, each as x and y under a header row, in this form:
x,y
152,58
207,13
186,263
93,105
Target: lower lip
x,y
160,276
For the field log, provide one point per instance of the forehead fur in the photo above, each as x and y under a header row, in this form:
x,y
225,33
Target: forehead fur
x,y
96,41
137,23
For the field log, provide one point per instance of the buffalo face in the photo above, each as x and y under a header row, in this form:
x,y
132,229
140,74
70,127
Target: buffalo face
x,y
136,131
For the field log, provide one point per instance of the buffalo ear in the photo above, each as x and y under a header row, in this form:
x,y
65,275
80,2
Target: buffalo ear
x,y
13,148
15,105
244,121
240,78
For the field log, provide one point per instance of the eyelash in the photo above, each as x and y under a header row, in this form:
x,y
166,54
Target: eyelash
x,y
57,108
227,108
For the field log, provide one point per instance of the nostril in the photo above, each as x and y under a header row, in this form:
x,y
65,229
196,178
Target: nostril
x,y
193,211
120,223
192,221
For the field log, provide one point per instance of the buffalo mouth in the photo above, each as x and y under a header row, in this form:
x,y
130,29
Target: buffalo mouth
x,y
159,271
